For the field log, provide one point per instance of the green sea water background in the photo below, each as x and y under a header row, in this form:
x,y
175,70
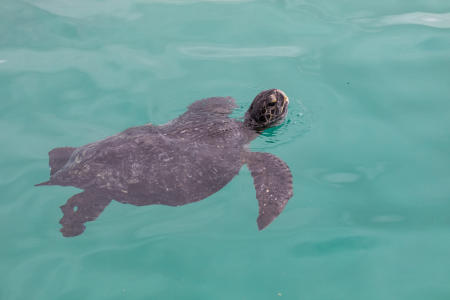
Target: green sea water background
x,y
367,140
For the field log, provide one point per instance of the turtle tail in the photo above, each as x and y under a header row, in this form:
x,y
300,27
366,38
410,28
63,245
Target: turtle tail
x,y
44,183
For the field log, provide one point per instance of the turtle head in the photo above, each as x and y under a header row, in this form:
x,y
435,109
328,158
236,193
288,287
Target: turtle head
x,y
267,109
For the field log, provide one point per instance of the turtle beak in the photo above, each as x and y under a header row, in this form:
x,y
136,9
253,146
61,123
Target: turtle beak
x,y
285,98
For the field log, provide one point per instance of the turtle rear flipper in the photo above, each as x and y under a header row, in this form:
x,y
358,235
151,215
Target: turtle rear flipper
x,y
273,184
81,208
58,157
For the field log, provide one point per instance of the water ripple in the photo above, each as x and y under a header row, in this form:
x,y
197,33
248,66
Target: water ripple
x,y
419,18
118,8
226,52
341,177
387,219
109,66
435,20
338,177
334,246
298,122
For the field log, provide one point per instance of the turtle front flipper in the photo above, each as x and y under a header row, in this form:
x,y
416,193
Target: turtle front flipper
x,y
81,208
273,184
213,106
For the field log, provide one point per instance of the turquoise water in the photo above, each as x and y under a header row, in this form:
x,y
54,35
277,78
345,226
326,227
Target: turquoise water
x,y
367,140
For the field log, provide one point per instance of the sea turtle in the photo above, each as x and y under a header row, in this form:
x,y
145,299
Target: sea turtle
x,y
183,161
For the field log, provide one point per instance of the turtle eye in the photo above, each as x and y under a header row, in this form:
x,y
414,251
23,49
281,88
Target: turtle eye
x,y
271,103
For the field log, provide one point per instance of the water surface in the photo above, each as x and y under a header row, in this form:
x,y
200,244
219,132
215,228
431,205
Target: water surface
x,y
367,140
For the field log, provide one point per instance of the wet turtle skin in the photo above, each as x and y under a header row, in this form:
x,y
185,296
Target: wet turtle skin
x,y
183,161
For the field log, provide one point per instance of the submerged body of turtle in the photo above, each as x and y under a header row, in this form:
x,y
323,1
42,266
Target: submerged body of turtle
x,y
184,161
